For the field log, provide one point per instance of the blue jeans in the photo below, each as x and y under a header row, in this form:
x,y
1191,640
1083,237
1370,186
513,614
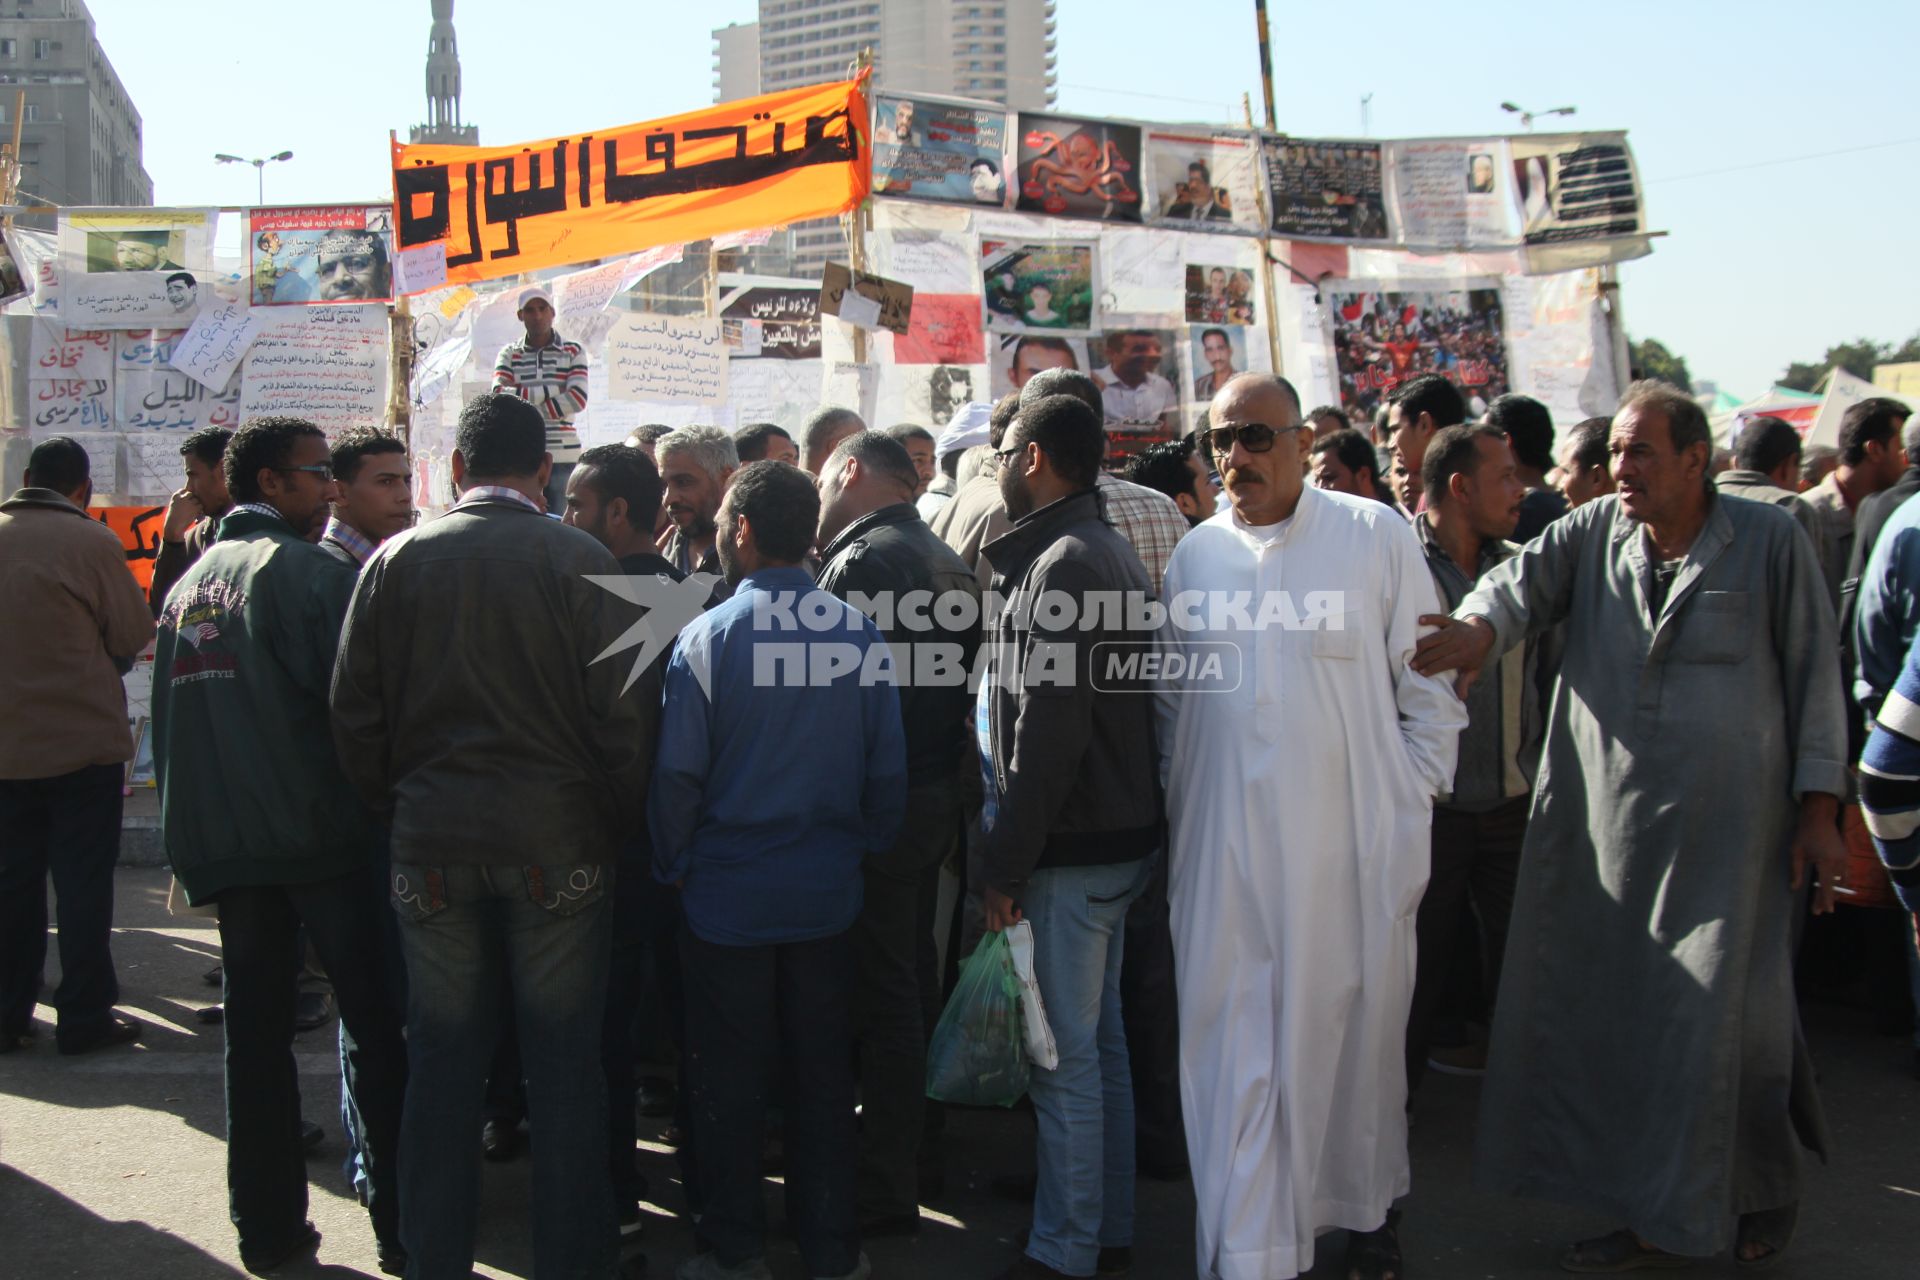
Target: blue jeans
x,y
1084,1201
467,933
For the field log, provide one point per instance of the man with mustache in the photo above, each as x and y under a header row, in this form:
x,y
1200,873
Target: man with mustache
x,y
1646,1058
695,465
1294,870
1474,500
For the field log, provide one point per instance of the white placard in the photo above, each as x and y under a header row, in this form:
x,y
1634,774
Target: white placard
x,y
859,309
325,364
667,360
62,406
60,352
418,270
213,345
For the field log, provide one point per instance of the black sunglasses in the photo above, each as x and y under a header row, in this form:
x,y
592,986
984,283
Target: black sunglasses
x,y
1254,437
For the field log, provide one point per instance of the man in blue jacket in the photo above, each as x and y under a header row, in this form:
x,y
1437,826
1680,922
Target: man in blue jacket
x,y
260,820
782,767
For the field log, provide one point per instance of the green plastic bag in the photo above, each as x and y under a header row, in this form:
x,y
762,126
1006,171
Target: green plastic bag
x,y
978,1057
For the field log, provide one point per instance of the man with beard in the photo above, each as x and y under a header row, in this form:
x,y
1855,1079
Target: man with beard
x,y
1647,1059
1295,871
696,464
766,842
351,266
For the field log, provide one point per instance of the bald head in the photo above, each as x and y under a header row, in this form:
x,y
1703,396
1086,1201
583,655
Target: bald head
x,y
1258,397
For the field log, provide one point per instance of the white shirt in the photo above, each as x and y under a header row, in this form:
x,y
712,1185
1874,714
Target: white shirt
x,y
1144,403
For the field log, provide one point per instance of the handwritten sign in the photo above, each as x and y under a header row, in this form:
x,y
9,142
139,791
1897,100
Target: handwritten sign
x,y
851,386
773,390
154,465
325,364
762,162
211,348
161,398
667,360
422,269
60,352
930,261
139,530
584,292
62,406
876,303
103,457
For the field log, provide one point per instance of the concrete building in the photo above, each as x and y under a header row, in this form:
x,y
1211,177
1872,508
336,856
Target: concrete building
x,y
1000,51
80,137
443,125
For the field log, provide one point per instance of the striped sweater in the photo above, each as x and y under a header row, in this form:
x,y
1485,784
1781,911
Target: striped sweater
x,y
553,379
1890,782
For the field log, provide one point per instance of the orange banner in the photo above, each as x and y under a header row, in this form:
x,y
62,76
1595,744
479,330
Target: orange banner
x,y
139,530
760,162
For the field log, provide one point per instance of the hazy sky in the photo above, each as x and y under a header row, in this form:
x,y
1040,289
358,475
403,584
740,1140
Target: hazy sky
x,y
1771,257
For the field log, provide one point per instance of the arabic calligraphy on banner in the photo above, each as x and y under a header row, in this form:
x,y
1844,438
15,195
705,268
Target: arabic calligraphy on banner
x,y
139,532
759,162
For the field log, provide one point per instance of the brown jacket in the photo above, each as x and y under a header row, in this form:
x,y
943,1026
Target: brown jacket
x,y
69,610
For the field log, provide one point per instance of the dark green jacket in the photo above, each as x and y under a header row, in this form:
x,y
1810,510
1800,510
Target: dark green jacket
x,y
251,791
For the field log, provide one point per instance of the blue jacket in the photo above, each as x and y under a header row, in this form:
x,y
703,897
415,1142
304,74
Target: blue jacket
x,y
771,787
1890,782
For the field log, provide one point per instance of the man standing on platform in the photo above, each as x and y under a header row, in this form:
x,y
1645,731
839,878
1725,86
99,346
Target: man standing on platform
x,y
549,373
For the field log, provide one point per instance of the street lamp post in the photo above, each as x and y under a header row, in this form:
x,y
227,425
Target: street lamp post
x,y
259,167
1527,117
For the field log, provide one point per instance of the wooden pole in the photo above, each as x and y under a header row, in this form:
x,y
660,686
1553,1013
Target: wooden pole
x,y
1264,205
400,359
855,222
1266,64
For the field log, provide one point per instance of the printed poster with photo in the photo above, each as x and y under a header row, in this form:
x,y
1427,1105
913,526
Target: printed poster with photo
x,y
1039,286
1327,190
934,393
134,268
1079,168
1013,358
15,280
320,254
1203,180
1450,193
1219,294
1580,186
926,150
1382,339
1139,375
1216,352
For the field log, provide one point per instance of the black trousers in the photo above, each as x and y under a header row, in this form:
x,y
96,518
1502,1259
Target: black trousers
x,y
1476,866
266,1171
1149,1008
68,826
897,999
761,1018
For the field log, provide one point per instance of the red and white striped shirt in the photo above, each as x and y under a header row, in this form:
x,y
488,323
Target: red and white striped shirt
x,y
553,379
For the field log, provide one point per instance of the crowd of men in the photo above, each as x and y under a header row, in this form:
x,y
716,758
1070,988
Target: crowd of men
x,y
1281,744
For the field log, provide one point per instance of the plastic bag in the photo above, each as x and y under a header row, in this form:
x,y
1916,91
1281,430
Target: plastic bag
x,y
1042,1052
978,1056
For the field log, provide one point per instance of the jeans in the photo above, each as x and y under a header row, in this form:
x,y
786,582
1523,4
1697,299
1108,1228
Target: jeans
x,y
619,1052
260,951
1084,1106
353,1166
69,826
467,933
1476,863
757,1015
897,998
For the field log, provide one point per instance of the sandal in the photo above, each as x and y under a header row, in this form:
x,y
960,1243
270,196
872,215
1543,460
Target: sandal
x,y
1771,1229
1621,1251
1375,1255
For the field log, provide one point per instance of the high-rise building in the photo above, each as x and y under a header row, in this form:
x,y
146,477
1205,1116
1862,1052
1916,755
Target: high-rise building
x,y
80,136
999,51
443,124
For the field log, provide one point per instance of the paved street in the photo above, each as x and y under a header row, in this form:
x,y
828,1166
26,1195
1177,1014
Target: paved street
x,y
113,1164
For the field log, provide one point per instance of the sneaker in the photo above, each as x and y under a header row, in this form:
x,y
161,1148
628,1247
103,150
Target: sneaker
x,y
861,1270
261,1262
631,1223
115,1030
708,1267
1459,1060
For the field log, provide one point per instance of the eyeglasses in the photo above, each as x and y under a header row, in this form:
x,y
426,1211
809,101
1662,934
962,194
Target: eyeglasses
x,y
1254,437
1000,456
320,469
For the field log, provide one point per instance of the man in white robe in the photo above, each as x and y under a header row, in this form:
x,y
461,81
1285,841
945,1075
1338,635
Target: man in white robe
x,y
1300,799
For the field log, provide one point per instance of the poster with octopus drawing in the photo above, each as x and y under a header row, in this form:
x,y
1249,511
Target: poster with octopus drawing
x,y
1079,168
